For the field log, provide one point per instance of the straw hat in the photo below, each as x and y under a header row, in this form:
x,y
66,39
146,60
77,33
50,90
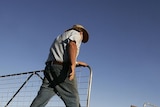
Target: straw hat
x,y
85,33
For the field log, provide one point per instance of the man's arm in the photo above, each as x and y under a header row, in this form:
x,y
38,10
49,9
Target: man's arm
x,y
72,52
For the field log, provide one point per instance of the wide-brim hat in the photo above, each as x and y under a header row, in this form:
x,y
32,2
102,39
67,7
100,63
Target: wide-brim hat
x,y
85,33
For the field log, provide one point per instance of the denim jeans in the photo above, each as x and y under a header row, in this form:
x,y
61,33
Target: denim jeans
x,y
56,81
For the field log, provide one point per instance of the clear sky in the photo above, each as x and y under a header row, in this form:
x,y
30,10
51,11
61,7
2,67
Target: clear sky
x,y
123,50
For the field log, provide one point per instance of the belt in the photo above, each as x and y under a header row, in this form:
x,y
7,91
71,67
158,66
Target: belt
x,y
55,62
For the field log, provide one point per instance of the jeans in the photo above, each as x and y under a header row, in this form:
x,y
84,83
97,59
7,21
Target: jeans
x,y
56,81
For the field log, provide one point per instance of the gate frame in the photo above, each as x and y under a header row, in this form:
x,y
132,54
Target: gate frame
x,y
36,73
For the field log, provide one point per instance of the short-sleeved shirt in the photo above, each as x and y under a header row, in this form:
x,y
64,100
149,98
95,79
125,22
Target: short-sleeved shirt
x,y
58,51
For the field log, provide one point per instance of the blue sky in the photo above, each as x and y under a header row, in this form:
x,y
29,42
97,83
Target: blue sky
x,y
123,50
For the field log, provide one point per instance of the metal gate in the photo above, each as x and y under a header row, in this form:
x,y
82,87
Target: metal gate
x,y
19,90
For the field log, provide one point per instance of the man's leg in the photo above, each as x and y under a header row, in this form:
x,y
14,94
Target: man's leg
x,y
42,98
65,88
69,93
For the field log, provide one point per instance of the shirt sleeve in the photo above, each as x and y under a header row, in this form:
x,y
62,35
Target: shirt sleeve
x,y
75,36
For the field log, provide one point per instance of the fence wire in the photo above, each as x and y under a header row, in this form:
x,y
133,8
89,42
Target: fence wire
x,y
19,90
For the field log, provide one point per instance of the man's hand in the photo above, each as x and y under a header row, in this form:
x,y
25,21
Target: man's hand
x,y
72,72
79,63
72,69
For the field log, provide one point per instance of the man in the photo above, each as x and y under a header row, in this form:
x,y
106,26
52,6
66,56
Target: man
x,y
59,73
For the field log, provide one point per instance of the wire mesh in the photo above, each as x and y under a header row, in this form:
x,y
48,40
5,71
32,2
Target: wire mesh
x,y
19,90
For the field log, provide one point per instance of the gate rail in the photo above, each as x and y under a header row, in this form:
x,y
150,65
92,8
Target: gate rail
x,y
39,74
